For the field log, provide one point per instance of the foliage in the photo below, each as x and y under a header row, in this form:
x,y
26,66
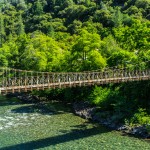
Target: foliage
x,y
101,97
140,117
102,33
121,58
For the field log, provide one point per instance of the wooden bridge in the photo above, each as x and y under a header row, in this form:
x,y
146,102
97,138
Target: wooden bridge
x,y
14,80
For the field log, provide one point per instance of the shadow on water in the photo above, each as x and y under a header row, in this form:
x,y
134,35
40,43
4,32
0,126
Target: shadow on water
x,y
8,101
15,99
79,132
43,108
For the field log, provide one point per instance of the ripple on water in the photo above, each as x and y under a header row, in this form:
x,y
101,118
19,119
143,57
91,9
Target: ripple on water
x,y
1,128
10,123
2,119
8,117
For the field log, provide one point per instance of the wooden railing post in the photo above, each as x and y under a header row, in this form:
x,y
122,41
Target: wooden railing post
x,y
25,81
48,80
59,81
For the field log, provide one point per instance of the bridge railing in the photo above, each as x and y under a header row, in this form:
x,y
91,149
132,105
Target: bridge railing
x,y
20,79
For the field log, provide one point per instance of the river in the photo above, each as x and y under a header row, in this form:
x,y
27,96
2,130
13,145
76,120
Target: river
x,y
52,126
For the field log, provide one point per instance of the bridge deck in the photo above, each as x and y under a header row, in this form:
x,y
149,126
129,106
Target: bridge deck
x,y
12,89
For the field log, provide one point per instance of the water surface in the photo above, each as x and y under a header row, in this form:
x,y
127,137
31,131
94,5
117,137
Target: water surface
x,y
52,126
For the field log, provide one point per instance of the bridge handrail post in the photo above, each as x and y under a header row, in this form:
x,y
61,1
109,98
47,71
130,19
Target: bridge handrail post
x,y
59,81
31,80
48,80
43,80
79,79
37,80
25,81
19,78
69,80
52,79
6,81
13,82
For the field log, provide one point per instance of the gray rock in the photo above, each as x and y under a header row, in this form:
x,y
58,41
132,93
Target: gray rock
x,y
86,111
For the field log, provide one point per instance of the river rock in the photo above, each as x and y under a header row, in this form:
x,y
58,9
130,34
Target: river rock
x,y
140,131
85,110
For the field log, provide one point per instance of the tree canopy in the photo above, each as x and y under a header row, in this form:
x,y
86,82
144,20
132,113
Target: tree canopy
x,y
73,35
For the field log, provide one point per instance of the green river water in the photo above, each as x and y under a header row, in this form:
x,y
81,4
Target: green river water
x,y
28,127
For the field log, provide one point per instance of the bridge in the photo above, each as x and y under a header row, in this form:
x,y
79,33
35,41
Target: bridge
x,y
15,80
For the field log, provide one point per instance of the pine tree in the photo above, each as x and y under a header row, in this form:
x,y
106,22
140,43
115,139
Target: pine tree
x,y
21,5
117,18
20,29
51,31
38,8
2,30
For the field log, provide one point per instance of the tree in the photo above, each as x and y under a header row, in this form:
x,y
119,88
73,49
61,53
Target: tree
x,y
51,31
67,3
42,52
20,29
3,61
2,30
21,5
38,8
85,52
109,46
8,52
117,17
103,16
75,27
87,2
121,58
135,37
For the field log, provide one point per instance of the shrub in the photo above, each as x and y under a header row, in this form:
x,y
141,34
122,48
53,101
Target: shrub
x,y
140,117
101,97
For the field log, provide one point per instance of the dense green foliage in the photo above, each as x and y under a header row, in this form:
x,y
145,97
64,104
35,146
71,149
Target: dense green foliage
x,y
73,35
80,35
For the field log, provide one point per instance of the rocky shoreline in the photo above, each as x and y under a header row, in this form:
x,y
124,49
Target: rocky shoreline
x,y
85,110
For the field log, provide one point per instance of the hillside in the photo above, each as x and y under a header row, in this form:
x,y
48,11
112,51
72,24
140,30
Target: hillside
x,y
73,35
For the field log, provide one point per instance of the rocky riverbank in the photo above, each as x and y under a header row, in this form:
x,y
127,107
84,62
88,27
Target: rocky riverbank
x,y
85,110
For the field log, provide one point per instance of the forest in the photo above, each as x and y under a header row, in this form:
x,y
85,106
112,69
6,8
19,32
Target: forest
x,y
82,35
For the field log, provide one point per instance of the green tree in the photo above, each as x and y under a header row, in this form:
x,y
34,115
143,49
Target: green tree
x,y
86,50
2,30
122,58
134,38
51,31
87,2
42,52
20,29
21,5
117,17
103,16
38,8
